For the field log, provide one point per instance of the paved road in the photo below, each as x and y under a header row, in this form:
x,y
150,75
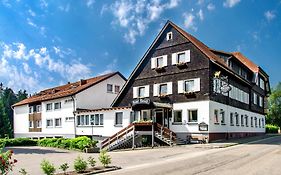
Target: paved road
x,y
261,157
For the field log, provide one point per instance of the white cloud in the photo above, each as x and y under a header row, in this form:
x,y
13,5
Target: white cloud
x,y
43,4
269,15
200,15
90,3
26,68
189,21
200,2
211,7
64,8
136,16
110,67
230,3
31,13
29,21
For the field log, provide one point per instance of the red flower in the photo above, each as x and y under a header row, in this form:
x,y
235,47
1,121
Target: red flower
x,y
15,160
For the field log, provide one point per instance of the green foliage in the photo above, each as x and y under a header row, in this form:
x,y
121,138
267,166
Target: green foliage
x,y
23,171
79,143
271,128
6,162
64,167
80,165
18,142
274,114
47,167
104,158
92,161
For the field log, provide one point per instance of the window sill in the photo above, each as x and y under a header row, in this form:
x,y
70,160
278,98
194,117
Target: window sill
x,y
216,123
177,123
58,126
231,124
49,127
192,123
118,125
223,124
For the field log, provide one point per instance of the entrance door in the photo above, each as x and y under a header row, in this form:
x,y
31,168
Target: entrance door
x,y
159,117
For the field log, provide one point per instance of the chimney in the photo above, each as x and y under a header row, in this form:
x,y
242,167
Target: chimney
x,y
82,82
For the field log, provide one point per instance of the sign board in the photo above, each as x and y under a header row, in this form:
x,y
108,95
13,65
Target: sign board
x,y
225,88
141,101
203,126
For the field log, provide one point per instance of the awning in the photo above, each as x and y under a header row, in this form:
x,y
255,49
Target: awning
x,y
162,105
140,104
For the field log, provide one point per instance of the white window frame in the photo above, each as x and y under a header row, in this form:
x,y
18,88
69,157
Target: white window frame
x,y
38,123
93,119
188,112
51,104
51,126
216,116
136,91
175,56
38,108
261,83
177,122
30,110
255,96
168,38
107,86
181,85
55,106
260,101
58,126
115,119
154,61
116,87
32,124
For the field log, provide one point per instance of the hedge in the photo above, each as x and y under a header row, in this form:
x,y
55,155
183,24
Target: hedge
x,y
271,128
79,143
18,142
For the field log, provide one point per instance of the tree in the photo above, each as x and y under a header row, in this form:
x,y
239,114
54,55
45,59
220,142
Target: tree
x,y
274,114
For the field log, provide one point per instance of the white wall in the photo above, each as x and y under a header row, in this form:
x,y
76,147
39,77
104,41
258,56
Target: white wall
x,y
97,96
203,116
108,128
227,128
21,123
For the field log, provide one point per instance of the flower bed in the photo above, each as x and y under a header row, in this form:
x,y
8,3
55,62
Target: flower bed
x,y
96,170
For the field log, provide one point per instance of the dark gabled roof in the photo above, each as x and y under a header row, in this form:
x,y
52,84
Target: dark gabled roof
x,y
66,90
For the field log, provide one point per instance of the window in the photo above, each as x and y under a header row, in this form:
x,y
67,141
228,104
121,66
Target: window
x,y
38,108
246,120
163,89
252,122
192,116
242,120
49,123
30,109
30,124
217,85
57,105
145,114
159,62
38,123
141,92
133,116
57,122
178,116
69,119
256,122
255,98
216,116
181,57
80,120
259,122
87,120
49,106
237,119
189,86
97,120
117,89
238,94
169,36
260,101
231,119
118,118
68,100
261,83
109,88
262,122
222,116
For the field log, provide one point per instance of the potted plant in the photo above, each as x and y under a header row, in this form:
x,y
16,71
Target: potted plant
x,y
182,65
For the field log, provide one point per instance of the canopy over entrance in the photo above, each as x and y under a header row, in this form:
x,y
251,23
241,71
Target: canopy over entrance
x,y
140,104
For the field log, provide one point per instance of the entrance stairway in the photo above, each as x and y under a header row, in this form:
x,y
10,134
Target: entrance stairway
x,y
126,137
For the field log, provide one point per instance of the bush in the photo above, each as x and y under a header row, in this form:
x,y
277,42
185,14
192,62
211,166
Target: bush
x,y
104,158
271,128
76,143
23,171
6,162
18,142
47,167
80,165
64,167
92,161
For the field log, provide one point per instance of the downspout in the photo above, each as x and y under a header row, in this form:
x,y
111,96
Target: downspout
x,y
74,109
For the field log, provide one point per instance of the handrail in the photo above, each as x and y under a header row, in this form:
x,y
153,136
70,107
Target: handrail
x,y
118,134
165,131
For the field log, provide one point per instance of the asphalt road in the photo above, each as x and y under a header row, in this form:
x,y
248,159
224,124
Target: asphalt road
x,y
259,157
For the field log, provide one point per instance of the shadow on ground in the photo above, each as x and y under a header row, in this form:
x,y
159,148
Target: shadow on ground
x,y
30,150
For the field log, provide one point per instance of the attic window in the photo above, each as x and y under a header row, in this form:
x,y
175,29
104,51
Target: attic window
x,y
169,36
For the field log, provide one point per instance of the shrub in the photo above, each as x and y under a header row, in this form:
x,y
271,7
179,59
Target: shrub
x,y
104,158
18,142
80,165
6,162
47,167
271,128
23,171
64,167
92,161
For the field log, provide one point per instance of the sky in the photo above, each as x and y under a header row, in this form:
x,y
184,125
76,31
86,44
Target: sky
x,y
46,43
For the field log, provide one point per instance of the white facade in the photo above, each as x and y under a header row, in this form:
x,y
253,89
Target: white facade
x,y
96,96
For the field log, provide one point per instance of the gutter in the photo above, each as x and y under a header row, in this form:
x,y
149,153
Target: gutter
x,y
74,109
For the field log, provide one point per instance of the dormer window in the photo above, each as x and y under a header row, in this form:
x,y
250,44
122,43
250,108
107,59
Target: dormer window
x,y
169,36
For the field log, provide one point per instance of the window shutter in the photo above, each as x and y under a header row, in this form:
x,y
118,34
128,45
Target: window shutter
x,y
197,84
180,86
135,92
187,56
174,58
170,88
155,89
153,62
146,93
165,60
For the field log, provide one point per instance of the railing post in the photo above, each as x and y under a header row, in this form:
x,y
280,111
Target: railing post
x,y
117,138
161,131
109,142
171,137
133,142
152,135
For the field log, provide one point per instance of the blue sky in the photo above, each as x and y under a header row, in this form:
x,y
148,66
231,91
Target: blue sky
x,y
48,43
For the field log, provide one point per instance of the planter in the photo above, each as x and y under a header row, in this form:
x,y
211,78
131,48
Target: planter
x,y
92,150
182,65
160,69
190,94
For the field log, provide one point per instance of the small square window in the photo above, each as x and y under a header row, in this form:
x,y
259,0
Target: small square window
x,y
216,116
169,36
117,89
189,86
141,92
192,116
178,116
181,57
109,88
118,118
58,105
49,106
49,122
163,89
159,62
57,122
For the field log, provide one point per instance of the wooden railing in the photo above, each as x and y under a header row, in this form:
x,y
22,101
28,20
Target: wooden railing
x,y
165,131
